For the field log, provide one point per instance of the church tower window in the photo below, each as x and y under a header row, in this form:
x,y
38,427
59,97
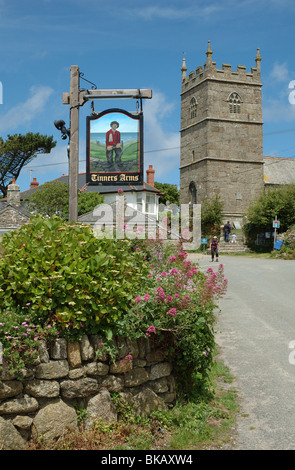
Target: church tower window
x,y
234,101
193,107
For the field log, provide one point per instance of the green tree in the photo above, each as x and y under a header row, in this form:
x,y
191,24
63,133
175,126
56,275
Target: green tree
x,y
211,216
88,201
52,199
17,151
170,193
278,202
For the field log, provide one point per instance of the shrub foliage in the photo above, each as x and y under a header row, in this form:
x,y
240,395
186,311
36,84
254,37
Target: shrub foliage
x,y
57,278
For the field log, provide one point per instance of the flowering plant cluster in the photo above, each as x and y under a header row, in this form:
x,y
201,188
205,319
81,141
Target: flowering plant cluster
x,y
176,305
20,338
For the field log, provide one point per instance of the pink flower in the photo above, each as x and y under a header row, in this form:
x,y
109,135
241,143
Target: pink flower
x,y
173,271
176,296
151,329
172,312
172,258
138,299
129,357
146,297
159,289
169,298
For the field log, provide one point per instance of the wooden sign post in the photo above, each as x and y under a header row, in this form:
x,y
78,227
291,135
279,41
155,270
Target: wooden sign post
x,y
76,98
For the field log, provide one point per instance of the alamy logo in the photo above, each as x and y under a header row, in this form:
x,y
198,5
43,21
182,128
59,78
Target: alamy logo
x,y
292,93
1,93
292,353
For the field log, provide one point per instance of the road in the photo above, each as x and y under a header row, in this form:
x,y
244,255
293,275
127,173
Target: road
x,y
254,330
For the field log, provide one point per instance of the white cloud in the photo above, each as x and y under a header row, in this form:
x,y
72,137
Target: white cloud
x,y
161,147
26,111
280,72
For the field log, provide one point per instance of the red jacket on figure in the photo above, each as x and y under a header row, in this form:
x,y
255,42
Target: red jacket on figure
x,y
112,138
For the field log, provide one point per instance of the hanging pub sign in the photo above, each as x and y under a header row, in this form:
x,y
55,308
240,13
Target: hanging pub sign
x,y
114,149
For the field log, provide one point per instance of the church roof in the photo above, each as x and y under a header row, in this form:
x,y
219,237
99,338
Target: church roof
x,y
278,170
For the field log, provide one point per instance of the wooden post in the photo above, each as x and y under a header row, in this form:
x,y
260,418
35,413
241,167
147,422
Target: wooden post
x,y
74,144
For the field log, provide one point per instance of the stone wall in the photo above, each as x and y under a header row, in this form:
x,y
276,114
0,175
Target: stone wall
x,y
70,376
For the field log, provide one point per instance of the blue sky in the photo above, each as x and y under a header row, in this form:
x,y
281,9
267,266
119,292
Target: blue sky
x,y
138,44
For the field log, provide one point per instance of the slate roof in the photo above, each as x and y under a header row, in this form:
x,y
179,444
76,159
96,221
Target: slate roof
x,y
279,170
4,205
97,188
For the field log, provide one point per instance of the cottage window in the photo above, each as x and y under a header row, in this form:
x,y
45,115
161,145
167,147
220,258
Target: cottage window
x,y
139,202
150,203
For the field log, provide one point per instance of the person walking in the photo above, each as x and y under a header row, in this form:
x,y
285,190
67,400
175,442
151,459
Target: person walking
x,y
214,248
226,231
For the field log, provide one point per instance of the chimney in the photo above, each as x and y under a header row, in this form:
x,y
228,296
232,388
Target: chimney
x,y
34,183
13,193
150,176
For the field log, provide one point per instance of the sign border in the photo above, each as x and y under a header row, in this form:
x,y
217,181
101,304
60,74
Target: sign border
x,y
131,175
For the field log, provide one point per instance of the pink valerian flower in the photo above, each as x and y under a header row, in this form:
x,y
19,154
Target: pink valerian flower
x,y
146,297
129,357
172,312
138,299
173,271
176,296
159,289
169,298
161,296
151,329
172,258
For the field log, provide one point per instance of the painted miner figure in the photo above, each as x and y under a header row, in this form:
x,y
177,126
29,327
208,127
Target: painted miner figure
x,y
113,144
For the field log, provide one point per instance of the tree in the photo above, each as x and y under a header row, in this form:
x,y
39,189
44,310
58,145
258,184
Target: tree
x,y
211,216
170,193
88,201
278,202
52,198
17,151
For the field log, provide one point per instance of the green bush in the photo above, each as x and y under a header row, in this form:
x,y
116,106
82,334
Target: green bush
x,y
60,274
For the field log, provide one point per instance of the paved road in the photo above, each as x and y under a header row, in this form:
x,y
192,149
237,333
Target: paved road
x,y
254,331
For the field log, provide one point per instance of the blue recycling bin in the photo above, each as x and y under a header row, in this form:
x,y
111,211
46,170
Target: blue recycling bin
x,y
278,245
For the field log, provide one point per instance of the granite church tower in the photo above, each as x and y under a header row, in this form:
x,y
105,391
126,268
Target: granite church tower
x,y
221,135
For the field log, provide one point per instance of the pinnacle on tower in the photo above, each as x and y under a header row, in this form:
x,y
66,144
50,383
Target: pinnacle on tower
x,y
258,61
209,52
258,56
183,68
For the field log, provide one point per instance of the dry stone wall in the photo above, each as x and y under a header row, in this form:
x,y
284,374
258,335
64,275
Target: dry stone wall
x,y
68,377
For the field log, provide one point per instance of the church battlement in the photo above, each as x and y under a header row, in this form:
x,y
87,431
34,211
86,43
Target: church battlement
x,y
209,71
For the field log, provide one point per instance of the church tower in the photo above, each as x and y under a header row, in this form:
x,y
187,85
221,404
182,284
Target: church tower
x,y
221,135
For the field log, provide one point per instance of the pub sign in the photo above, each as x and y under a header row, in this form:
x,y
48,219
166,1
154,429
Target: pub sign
x,y
114,149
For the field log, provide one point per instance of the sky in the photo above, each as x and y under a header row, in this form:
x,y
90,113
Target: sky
x,y
138,44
